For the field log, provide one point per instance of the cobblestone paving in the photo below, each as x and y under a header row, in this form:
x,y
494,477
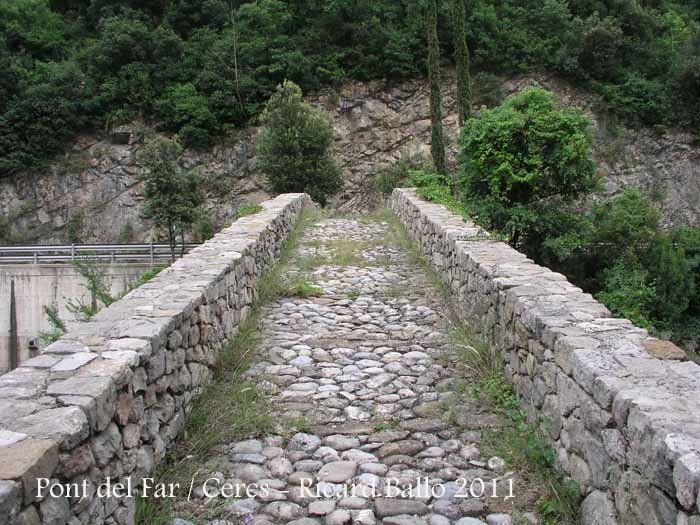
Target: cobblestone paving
x,y
361,369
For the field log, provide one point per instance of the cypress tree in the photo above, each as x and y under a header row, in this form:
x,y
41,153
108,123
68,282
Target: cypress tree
x,y
437,147
464,88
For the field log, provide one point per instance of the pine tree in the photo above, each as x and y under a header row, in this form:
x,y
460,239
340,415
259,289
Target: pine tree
x,y
464,88
437,147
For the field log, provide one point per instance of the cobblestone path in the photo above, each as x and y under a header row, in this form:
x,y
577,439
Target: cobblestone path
x,y
361,369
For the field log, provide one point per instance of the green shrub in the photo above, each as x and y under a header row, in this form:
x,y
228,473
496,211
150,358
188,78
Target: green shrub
x,y
627,293
184,110
397,174
294,147
523,159
246,208
673,279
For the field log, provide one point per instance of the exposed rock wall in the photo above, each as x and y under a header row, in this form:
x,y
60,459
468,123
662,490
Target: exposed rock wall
x,y
621,412
94,190
108,398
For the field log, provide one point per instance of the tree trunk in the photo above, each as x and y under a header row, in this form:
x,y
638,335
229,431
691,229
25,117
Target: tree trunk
x,y
464,89
437,143
171,241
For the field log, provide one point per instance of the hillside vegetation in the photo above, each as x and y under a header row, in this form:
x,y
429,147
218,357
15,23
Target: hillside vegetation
x,y
202,67
524,170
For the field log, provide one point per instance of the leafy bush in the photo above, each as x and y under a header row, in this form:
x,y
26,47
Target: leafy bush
x,y
524,176
673,279
524,159
294,147
245,209
628,294
184,110
397,174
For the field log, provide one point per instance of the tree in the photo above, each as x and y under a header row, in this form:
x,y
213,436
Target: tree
x,y
627,292
173,197
437,141
464,88
522,160
673,279
294,147
626,223
528,150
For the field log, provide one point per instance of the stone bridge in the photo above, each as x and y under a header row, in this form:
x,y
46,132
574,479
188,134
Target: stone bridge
x,y
363,386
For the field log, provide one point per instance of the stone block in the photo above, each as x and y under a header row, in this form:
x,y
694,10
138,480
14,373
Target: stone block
x,y
10,498
598,509
686,478
67,426
26,461
29,516
106,445
73,362
664,350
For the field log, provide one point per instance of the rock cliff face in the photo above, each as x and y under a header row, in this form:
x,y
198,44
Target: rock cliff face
x,y
92,194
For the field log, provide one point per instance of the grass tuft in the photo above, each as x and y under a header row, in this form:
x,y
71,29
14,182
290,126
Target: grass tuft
x,y
523,445
246,208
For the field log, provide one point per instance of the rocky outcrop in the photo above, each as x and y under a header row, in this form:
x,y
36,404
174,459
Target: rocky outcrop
x,y
93,193
616,402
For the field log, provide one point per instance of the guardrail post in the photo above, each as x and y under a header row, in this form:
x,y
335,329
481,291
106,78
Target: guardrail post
x,y
36,258
152,255
72,252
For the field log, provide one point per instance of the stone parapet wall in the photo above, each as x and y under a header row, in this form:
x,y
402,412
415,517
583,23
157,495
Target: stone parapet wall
x,y
106,400
622,408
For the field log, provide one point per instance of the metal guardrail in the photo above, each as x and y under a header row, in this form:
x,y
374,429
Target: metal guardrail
x,y
111,253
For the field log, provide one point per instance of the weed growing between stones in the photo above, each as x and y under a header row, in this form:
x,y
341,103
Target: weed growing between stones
x,y
523,445
230,407
246,209
302,288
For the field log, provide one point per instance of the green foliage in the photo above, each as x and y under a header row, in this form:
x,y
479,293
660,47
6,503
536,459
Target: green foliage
x,y
673,279
437,140
521,161
397,174
97,285
627,292
184,110
58,327
246,208
126,234
203,228
173,196
526,446
530,196
143,279
527,150
523,444
294,147
74,227
204,67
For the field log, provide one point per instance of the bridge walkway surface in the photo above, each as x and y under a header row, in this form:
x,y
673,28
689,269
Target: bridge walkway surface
x,y
375,422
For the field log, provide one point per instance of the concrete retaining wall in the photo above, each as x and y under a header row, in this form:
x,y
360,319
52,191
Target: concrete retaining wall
x,y
39,285
108,398
623,408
